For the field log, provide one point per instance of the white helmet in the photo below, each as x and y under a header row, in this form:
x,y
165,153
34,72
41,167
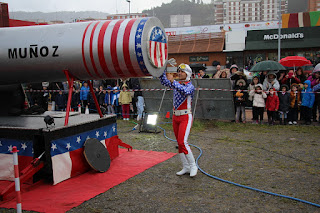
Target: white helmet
x,y
186,68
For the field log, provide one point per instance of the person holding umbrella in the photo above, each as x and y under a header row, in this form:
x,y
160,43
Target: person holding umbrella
x,y
290,79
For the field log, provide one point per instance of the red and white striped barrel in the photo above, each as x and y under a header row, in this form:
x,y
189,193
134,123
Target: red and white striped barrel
x,y
104,49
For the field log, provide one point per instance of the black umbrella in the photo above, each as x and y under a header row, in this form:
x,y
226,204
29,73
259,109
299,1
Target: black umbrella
x,y
267,66
197,66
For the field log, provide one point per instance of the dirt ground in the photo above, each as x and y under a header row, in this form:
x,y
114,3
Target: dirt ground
x,y
279,159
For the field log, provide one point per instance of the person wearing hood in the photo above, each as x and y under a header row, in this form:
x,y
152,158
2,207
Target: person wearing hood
x,y
307,102
284,104
258,104
183,92
239,75
271,82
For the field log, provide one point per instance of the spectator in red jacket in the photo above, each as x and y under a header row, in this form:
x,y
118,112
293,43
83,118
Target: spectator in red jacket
x,y
272,105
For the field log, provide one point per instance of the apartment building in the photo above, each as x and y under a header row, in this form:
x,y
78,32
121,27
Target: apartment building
x,y
238,11
314,5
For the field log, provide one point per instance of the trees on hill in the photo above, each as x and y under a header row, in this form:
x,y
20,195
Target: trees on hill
x,y
201,14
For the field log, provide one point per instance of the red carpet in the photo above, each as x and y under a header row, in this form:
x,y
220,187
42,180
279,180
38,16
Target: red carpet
x,y
72,192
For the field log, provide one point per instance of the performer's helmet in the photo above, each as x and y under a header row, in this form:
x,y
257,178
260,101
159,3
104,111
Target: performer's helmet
x,y
186,68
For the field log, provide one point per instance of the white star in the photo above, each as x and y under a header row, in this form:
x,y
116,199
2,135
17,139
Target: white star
x,y
53,147
138,45
78,139
139,54
105,134
88,137
97,134
23,146
68,146
139,30
0,143
10,148
138,36
160,32
113,128
142,23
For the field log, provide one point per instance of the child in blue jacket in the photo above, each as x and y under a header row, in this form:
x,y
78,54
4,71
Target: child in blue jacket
x,y
307,102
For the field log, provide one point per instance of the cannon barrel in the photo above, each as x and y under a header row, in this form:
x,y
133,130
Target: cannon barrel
x,y
93,50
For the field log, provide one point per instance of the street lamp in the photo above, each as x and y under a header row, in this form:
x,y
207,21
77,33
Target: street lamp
x,y
129,6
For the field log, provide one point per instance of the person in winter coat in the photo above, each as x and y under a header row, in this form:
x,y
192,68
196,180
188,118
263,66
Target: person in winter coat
x,y
239,75
84,92
290,79
75,100
61,101
108,100
272,105
307,102
315,80
284,105
225,73
115,101
271,82
301,75
125,101
258,104
240,98
295,102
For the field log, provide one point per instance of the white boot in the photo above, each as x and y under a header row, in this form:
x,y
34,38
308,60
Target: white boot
x,y
185,165
192,163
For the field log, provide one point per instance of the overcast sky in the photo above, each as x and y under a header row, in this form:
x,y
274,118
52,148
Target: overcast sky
x,y
109,6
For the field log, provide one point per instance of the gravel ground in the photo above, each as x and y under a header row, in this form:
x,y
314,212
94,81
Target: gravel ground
x,y
279,159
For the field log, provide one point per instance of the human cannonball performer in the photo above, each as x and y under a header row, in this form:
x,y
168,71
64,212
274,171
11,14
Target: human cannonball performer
x,y
183,91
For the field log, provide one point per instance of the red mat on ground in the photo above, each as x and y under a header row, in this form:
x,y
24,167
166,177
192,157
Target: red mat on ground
x,y
72,192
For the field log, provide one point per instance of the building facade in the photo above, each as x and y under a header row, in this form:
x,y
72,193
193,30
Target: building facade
x,y
238,11
314,5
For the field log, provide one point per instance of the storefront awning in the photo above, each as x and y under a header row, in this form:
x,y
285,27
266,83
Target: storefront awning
x,y
304,37
196,43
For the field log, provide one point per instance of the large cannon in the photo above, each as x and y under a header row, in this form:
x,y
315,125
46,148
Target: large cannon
x,y
88,50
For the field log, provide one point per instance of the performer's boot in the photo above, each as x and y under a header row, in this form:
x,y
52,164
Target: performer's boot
x,y
185,165
192,163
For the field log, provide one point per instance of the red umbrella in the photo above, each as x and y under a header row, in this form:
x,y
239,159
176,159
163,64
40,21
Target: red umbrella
x,y
294,61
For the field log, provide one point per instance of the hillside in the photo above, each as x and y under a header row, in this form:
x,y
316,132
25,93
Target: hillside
x,y
201,14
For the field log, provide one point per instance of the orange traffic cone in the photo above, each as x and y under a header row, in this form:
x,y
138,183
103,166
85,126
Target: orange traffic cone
x,y
168,115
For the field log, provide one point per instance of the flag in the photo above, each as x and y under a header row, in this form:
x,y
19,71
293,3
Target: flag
x,y
25,156
157,47
67,153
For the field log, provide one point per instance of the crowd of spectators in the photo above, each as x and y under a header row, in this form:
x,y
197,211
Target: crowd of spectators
x,y
284,95
111,99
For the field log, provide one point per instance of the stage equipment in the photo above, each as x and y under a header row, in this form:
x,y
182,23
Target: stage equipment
x,y
149,122
105,49
97,155
49,120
